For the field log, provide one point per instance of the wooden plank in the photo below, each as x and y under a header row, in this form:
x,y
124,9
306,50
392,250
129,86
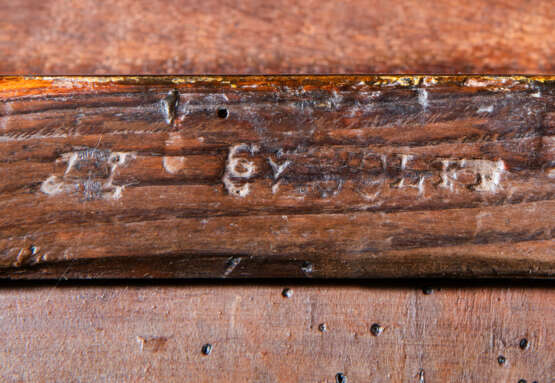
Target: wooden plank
x,y
281,36
156,334
109,325
308,176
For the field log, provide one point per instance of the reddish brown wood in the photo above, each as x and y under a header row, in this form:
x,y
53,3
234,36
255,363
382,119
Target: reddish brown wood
x,y
156,334
96,333
281,36
330,176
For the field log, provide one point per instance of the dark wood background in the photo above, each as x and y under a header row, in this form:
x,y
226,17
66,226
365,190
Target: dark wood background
x,y
148,332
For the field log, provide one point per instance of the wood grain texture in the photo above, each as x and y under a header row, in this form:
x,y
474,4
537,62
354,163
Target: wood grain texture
x,y
115,333
136,333
325,177
282,36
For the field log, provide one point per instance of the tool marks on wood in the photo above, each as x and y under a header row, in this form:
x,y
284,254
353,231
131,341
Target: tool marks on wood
x,y
169,104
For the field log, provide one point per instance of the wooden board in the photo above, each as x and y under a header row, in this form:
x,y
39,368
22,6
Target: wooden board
x,y
322,176
107,332
345,176
137,333
281,36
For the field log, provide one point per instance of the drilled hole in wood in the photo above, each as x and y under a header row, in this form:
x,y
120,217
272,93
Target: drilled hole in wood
x,y
501,360
207,349
340,378
322,327
523,344
222,113
376,329
287,293
427,290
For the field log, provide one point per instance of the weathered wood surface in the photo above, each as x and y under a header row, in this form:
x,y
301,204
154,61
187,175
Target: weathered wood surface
x,y
96,333
122,333
280,36
331,176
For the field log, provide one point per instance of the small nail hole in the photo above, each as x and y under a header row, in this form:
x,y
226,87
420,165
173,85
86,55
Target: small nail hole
x,y
376,329
287,293
501,360
340,378
522,381
523,344
323,327
207,349
222,113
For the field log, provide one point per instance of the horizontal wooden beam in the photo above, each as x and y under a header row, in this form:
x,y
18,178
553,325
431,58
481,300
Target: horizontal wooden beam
x,y
278,176
286,36
377,332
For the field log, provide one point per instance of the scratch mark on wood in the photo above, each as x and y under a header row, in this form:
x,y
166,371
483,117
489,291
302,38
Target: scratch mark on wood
x,y
152,343
170,104
232,263
485,109
421,378
423,98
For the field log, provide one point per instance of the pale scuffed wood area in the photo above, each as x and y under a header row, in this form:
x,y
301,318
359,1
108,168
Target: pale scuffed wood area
x,y
156,334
